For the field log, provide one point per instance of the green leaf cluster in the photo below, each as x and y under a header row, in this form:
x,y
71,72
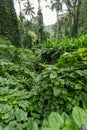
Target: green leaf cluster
x,y
16,80
63,85
28,96
76,121
51,50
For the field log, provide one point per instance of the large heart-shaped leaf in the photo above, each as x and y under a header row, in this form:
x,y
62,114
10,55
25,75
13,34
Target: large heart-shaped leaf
x,y
55,120
79,116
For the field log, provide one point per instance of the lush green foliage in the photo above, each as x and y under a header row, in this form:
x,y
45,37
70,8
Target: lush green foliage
x,y
28,39
8,22
83,19
4,41
30,89
51,50
64,84
44,88
76,121
16,80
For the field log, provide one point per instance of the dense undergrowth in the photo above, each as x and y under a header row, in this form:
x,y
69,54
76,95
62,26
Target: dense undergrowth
x,y
48,78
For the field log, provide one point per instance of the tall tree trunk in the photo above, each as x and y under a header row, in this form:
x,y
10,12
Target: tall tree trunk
x,y
75,18
39,3
20,6
57,13
21,16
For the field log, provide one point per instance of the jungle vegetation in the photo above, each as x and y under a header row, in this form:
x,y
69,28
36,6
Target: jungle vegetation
x,y
43,69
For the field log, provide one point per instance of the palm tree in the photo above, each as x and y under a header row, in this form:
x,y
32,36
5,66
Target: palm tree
x,y
21,17
57,5
20,8
29,9
39,3
73,7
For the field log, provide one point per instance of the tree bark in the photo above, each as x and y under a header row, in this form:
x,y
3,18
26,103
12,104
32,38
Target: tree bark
x,y
75,17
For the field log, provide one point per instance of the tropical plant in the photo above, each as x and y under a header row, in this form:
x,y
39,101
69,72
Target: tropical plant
x,y
39,1
76,121
29,95
29,9
16,78
74,11
82,18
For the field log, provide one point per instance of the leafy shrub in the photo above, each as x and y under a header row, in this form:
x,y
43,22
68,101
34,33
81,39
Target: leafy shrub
x,y
4,41
63,85
27,97
51,50
76,121
28,39
16,80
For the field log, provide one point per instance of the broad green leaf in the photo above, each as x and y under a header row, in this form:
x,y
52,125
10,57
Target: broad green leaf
x,y
30,124
20,115
55,120
35,127
78,86
6,116
82,49
9,128
53,75
68,128
5,108
79,116
45,123
56,91
80,72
